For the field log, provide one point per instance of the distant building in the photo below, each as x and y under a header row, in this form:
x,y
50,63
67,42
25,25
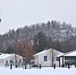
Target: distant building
x,y
48,57
69,58
6,59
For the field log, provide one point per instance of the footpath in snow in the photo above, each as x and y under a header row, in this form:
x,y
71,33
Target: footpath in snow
x,y
35,71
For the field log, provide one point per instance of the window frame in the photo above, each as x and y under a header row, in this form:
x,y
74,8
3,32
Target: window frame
x,y
45,58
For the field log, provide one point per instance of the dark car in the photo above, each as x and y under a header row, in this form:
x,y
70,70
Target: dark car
x,y
70,62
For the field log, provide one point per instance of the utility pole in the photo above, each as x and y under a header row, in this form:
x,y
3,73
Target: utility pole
x,y
15,52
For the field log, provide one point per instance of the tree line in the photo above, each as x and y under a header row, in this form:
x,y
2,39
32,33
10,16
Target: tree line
x,y
35,38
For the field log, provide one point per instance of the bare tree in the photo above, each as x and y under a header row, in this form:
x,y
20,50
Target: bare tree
x,y
51,54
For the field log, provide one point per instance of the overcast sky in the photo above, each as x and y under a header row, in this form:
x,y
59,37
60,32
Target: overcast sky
x,y
18,13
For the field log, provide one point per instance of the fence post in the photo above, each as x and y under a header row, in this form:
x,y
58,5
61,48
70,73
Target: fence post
x,y
40,66
54,66
10,66
68,66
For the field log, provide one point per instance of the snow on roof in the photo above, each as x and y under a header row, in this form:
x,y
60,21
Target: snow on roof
x,y
60,54
71,53
3,56
40,52
44,51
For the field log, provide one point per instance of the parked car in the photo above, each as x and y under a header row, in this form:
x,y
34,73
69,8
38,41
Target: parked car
x,y
70,62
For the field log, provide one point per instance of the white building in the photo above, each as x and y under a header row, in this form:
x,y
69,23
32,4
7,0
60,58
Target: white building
x,y
8,58
69,56
48,57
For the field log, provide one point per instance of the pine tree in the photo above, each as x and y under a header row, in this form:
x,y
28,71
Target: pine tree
x,y
40,42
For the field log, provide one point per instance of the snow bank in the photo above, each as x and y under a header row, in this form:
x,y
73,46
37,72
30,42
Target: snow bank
x,y
35,71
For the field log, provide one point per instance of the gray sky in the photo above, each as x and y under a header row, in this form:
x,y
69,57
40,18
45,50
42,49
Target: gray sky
x,y
18,13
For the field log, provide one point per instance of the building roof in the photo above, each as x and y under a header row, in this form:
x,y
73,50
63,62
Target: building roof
x,y
71,53
40,52
44,51
3,56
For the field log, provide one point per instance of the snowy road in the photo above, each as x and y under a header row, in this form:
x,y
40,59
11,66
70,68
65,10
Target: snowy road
x,y
43,71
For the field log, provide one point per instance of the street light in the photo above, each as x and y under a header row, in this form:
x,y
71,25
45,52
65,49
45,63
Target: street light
x,y
15,59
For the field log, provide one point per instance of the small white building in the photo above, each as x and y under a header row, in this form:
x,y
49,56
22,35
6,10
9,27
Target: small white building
x,y
69,56
48,57
8,58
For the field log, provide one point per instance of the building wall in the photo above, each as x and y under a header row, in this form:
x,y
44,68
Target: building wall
x,y
40,59
12,57
1,62
36,59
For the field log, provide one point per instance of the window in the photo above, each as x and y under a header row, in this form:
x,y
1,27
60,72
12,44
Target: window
x,y
57,58
10,61
45,58
6,61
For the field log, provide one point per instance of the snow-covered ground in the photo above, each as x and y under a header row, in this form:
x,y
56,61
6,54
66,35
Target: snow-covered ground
x,y
35,71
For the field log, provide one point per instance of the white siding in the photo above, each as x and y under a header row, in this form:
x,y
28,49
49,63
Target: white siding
x,y
39,58
8,57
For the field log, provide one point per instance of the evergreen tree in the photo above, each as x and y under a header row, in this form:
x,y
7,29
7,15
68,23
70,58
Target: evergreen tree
x,y
40,42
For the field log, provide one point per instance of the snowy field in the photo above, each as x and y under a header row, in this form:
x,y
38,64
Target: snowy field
x,y
35,71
